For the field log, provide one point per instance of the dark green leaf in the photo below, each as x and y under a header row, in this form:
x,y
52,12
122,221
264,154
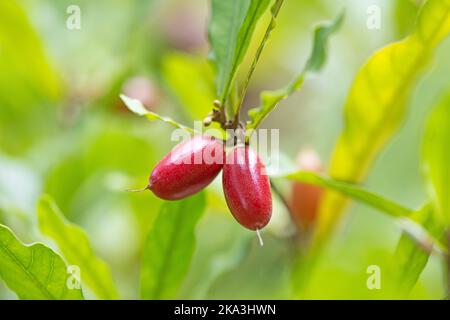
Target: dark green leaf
x,y
230,31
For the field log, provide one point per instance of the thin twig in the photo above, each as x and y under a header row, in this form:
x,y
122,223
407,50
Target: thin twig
x,y
274,10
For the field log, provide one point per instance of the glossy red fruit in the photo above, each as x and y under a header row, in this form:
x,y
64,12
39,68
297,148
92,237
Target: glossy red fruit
x,y
188,168
305,198
247,188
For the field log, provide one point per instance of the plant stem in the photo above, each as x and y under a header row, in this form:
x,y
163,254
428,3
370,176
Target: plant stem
x,y
274,10
281,197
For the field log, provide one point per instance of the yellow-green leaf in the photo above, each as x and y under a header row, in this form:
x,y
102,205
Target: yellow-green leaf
x,y
76,248
377,103
137,107
191,80
410,258
436,159
34,271
28,83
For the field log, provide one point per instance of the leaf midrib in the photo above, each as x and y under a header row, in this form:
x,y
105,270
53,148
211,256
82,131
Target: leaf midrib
x,y
34,280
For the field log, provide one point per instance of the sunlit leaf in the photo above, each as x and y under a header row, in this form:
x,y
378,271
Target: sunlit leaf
x,y
316,60
34,271
192,81
377,103
230,30
76,248
169,248
137,107
436,159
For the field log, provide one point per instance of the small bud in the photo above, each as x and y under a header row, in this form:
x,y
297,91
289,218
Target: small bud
x,y
217,104
207,121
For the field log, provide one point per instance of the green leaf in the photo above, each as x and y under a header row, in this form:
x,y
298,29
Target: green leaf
x,y
436,159
76,248
34,271
137,107
230,31
28,83
373,200
315,62
411,258
377,103
353,191
169,248
192,81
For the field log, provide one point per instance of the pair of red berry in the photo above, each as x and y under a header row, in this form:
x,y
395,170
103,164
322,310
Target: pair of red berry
x,y
185,171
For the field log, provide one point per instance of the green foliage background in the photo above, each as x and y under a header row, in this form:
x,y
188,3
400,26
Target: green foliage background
x,y
65,132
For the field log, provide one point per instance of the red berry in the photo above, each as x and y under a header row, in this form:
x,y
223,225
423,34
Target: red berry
x,y
247,188
305,198
188,168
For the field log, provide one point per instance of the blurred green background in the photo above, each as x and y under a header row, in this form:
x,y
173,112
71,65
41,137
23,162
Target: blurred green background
x,y
64,131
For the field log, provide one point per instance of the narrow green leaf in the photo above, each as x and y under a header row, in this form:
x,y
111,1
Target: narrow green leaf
x,y
353,191
377,102
169,248
230,30
192,82
436,159
389,207
411,258
137,107
315,62
34,271
76,248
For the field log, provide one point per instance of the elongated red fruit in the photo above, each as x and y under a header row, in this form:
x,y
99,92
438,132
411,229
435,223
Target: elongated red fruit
x,y
188,168
247,188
